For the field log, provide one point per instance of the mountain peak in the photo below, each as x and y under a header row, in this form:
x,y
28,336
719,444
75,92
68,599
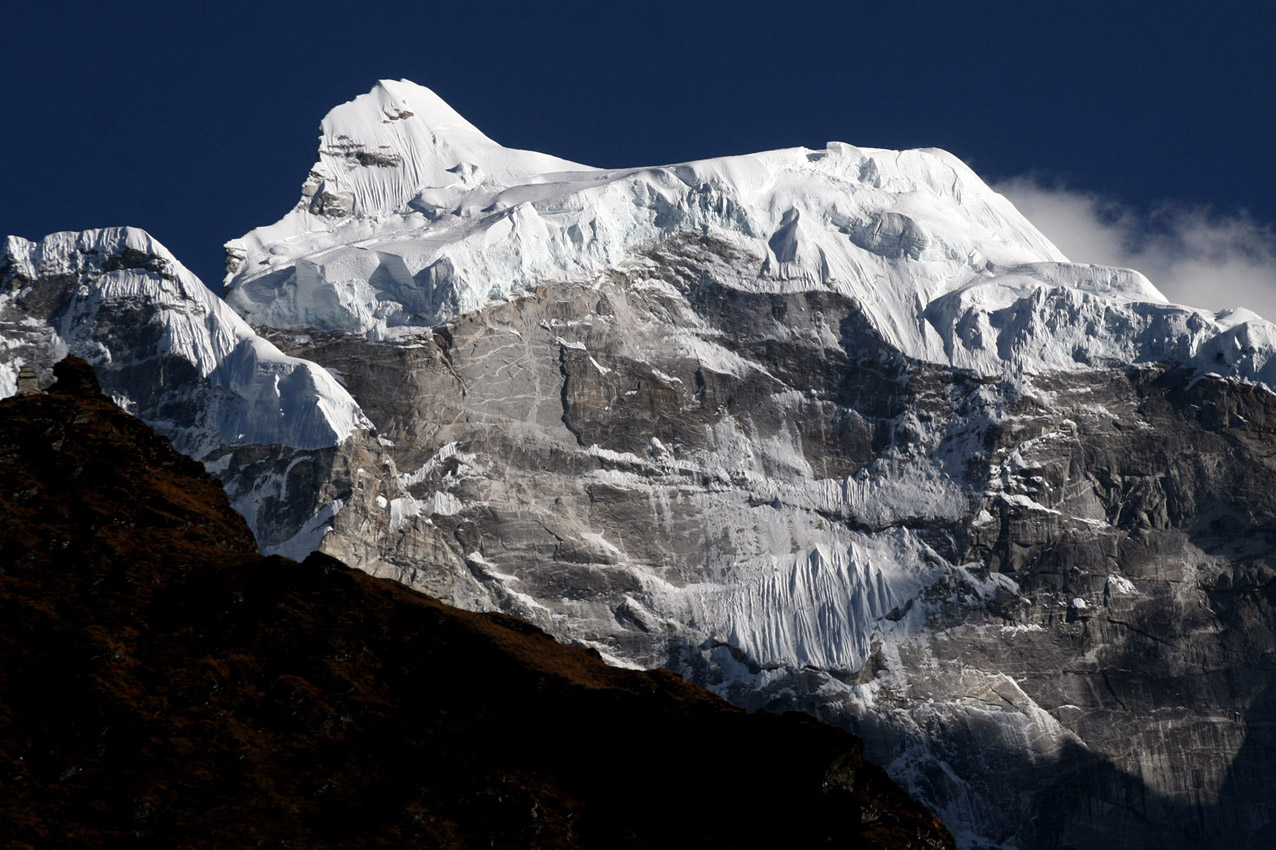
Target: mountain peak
x,y
380,151
401,99
85,292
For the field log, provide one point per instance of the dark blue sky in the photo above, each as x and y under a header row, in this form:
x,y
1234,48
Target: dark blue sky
x,y
198,121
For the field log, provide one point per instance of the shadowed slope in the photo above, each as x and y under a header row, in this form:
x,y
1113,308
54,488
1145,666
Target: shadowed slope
x,y
164,686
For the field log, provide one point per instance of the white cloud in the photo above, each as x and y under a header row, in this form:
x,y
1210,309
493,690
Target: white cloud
x,y
1193,255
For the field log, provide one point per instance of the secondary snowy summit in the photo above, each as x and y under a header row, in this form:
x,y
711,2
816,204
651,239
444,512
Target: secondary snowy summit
x,y
118,297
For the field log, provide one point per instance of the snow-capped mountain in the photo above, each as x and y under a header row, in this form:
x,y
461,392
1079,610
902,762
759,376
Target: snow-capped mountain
x,y
100,283
832,429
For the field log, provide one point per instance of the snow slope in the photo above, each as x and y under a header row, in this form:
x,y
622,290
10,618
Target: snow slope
x,y
412,216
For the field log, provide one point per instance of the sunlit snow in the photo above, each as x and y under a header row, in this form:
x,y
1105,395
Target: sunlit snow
x,y
412,216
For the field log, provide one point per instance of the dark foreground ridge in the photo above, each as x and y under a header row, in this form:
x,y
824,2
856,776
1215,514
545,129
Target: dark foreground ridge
x,y
162,685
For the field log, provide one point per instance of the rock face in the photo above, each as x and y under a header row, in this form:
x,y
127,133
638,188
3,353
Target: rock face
x,y
165,685
1054,591
831,429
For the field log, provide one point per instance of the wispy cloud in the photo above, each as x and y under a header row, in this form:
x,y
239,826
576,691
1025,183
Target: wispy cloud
x,y
1193,255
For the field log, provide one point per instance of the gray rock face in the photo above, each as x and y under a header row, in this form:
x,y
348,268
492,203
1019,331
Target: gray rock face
x,y
1045,603
1119,690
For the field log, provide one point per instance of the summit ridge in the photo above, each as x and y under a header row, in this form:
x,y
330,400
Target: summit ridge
x,y
412,217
